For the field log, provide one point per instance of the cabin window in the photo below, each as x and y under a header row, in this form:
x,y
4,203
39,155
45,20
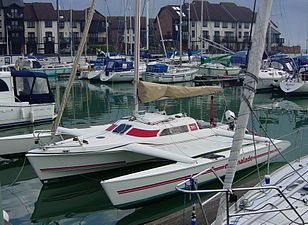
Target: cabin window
x,y
40,86
23,85
3,86
174,130
122,128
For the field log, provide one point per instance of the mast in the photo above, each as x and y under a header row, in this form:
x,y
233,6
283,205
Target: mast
x,y
201,30
125,26
188,23
137,53
161,36
249,88
56,123
181,18
147,24
130,30
58,36
71,30
106,21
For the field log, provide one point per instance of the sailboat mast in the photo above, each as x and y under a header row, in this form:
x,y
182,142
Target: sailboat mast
x,y
201,30
71,30
147,24
130,30
81,46
106,21
125,27
181,18
137,52
249,87
58,36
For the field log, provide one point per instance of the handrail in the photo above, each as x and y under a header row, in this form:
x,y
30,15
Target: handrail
x,y
227,191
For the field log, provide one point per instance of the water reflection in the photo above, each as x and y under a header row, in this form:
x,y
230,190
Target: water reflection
x,y
81,199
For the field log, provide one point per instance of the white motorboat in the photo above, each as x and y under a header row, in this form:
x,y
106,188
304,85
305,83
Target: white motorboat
x,y
270,77
280,199
25,98
163,73
149,184
218,69
296,84
51,69
120,71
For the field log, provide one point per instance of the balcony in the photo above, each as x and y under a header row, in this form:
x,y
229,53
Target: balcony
x,y
64,40
15,15
97,40
30,40
49,39
229,39
217,39
15,28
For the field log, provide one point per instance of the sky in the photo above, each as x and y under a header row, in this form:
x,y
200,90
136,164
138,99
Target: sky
x,y
291,16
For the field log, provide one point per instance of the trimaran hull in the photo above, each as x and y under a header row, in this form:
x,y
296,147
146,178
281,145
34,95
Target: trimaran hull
x,y
138,187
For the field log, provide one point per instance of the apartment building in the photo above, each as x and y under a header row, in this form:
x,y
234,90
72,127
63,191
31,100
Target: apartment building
x,y
41,24
71,32
121,39
11,27
224,23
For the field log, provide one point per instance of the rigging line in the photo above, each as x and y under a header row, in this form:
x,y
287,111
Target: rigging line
x,y
271,140
255,148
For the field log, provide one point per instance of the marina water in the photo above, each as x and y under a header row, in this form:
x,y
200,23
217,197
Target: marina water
x,y
81,199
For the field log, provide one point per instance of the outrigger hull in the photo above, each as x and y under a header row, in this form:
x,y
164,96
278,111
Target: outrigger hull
x,y
142,186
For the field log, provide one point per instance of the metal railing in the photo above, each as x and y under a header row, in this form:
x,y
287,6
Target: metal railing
x,y
193,184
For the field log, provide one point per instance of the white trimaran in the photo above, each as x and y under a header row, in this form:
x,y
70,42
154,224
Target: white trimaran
x,y
212,150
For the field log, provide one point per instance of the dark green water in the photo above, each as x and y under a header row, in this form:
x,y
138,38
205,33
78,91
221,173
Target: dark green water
x,y
81,200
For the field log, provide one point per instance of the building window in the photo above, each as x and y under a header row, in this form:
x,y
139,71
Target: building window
x,y
61,35
31,24
216,33
204,23
246,25
15,35
74,24
61,24
14,13
216,24
75,35
31,34
0,23
233,25
246,34
225,25
14,23
193,23
239,34
48,23
193,34
239,25
205,34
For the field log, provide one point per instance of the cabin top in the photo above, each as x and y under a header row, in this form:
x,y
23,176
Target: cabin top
x,y
153,125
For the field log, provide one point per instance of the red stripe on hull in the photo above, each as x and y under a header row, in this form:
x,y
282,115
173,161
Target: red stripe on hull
x,y
58,169
241,161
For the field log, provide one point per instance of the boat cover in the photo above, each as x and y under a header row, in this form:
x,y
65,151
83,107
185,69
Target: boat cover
x,y
148,91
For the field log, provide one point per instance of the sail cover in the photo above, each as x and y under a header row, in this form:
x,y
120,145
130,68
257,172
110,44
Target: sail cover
x,y
148,91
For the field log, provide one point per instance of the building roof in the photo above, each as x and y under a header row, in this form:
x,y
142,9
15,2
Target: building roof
x,y
224,11
7,3
79,15
175,11
39,11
